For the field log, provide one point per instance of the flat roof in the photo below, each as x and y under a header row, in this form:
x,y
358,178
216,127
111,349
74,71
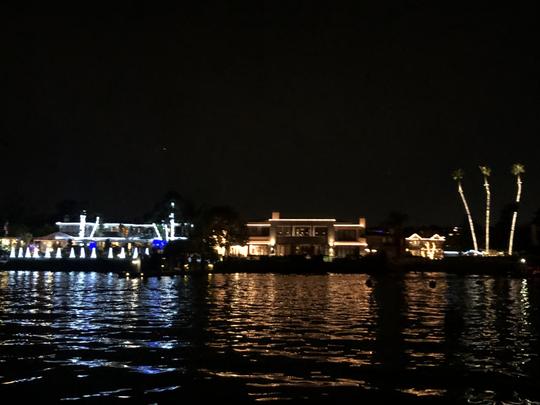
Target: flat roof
x,y
303,220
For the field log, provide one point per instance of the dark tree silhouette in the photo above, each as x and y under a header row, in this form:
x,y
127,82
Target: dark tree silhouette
x,y
183,208
220,226
395,223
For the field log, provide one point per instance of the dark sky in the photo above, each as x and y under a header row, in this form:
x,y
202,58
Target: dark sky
x,y
341,111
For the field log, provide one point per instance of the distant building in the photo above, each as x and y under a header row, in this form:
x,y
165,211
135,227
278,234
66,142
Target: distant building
x,y
297,236
431,248
119,233
8,242
53,241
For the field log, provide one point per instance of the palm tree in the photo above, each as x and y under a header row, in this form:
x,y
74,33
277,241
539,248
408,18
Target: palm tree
x,y
486,172
457,175
517,170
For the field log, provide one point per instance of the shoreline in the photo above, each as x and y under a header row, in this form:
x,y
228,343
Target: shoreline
x,y
376,265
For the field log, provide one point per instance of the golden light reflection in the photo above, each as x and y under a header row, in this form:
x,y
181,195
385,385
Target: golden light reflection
x,y
426,302
278,316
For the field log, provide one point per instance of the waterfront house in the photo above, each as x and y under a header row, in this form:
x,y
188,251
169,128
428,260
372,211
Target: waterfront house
x,y
279,236
430,247
101,233
9,242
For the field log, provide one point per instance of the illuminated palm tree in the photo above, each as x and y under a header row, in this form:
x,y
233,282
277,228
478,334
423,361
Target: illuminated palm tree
x,y
517,170
457,175
486,172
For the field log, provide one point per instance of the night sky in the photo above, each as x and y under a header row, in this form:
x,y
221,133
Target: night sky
x,y
342,111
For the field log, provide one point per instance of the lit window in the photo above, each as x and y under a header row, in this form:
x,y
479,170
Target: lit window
x,y
301,230
283,231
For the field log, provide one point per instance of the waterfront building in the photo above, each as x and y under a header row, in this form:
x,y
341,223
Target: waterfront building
x,y
303,236
431,248
85,232
8,242
52,241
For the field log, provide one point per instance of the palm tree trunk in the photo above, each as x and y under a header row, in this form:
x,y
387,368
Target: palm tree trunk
x,y
514,216
469,216
488,212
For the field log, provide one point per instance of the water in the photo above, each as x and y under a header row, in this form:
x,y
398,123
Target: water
x,y
250,338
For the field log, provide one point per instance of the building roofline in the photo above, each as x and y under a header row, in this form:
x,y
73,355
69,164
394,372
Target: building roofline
x,y
303,220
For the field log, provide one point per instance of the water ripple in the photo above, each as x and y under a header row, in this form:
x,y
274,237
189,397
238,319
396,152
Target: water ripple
x,y
83,336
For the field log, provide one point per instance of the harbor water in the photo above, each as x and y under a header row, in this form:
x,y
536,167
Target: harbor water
x,y
335,338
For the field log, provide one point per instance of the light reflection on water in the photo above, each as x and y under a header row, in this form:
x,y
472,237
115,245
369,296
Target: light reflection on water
x,y
270,337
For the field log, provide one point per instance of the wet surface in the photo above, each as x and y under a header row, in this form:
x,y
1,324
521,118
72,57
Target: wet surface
x,y
263,337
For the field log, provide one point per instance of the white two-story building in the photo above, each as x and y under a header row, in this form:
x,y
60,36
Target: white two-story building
x,y
303,236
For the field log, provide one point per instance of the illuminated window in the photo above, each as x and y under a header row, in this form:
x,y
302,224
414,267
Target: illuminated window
x,y
283,231
301,230
320,231
258,250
